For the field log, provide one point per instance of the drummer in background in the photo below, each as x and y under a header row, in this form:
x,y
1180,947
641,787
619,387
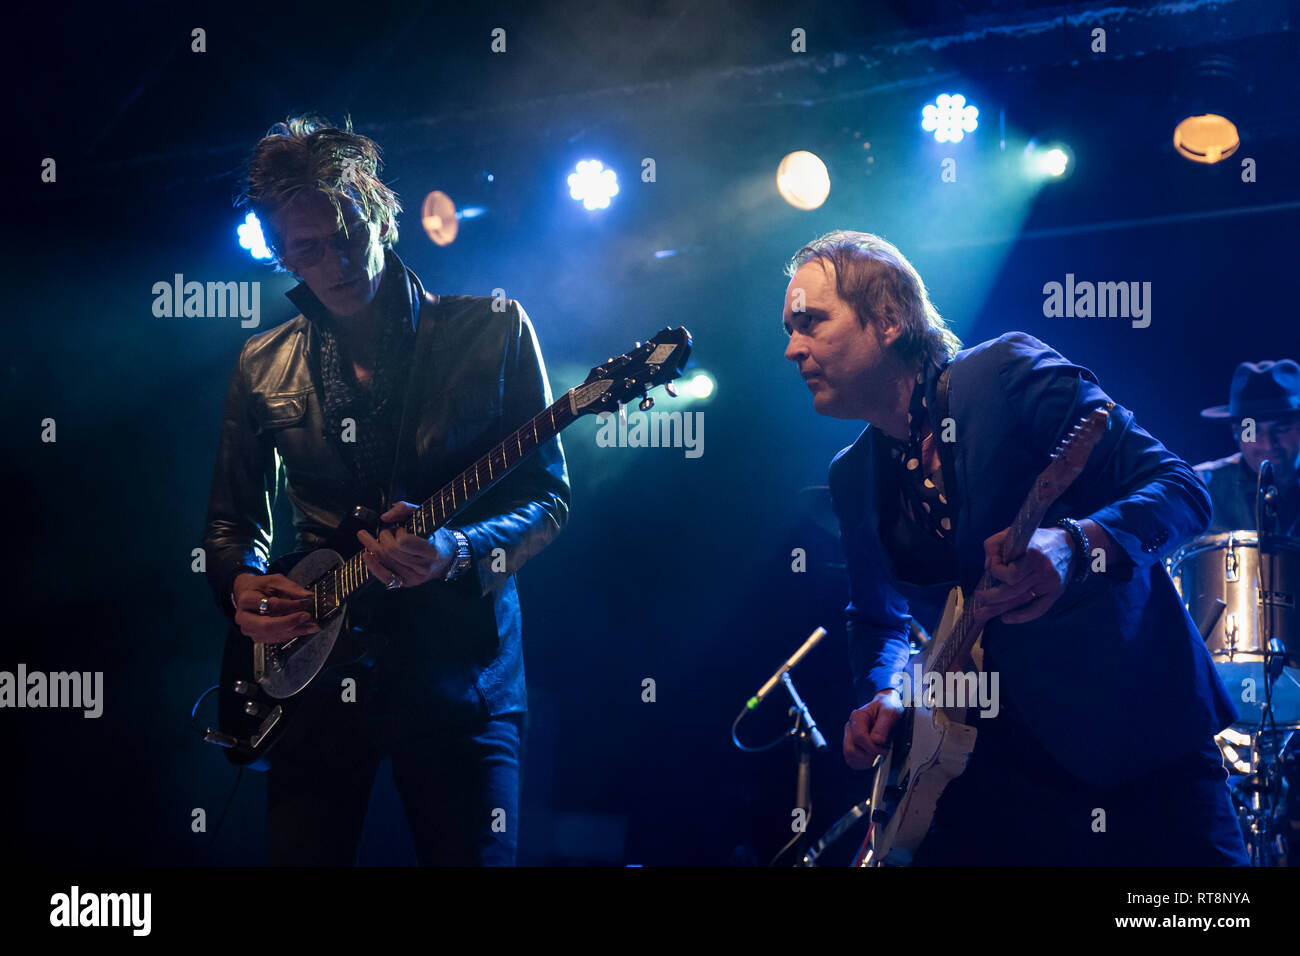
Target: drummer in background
x,y
1269,394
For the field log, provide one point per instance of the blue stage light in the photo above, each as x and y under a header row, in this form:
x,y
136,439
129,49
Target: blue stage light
x,y
593,185
250,237
949,118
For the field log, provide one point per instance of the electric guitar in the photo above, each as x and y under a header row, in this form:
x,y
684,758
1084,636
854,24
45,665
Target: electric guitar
x,y
262,685
931,745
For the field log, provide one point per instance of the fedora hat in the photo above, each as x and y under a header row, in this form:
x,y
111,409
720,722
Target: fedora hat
x,y
1264,390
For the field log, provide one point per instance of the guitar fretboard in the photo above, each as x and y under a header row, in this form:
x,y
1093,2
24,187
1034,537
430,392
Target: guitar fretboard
x,y
956,651
336,586
1067,462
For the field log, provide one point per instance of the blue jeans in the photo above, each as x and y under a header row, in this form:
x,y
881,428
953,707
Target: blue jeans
x,y
459,786
1016,806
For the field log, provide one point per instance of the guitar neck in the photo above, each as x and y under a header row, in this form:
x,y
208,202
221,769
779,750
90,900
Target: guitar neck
x,y
956,651
461,492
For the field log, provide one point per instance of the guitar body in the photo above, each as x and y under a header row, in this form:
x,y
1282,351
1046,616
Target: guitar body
x,y
930,749
263,685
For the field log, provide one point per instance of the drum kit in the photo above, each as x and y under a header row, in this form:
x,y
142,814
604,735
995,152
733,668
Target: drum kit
x,y
1240,589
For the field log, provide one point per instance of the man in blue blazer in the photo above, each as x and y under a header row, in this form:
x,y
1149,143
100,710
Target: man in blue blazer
x,y
1101,750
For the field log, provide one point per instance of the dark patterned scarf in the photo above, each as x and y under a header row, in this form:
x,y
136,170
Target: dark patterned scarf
x,y
376,410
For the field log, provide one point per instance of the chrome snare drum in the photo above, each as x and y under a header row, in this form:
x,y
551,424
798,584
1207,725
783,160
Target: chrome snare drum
x,y
1259,598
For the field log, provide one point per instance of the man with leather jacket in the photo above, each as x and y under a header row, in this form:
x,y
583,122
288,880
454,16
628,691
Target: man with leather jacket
x,y
377,394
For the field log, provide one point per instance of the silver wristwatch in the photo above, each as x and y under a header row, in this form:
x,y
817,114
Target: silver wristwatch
x,y
463,557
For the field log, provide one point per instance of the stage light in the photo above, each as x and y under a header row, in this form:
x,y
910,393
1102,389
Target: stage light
x,y
593,184
701,385
949,118
1048,161
1055,161
441,224
251,238
803,180
1207,138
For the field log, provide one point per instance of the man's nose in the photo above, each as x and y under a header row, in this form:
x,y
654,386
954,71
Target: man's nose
x,y
797,350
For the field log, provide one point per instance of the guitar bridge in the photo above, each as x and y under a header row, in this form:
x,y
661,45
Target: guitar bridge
x,y
264,728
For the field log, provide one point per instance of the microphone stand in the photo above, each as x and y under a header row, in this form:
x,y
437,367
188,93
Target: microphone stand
x,y
805,732
1264,784
807,739
1265,523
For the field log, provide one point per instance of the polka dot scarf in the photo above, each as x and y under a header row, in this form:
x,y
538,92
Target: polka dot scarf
x,y
923,495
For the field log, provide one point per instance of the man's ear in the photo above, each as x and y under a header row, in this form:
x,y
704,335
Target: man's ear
x,y
889,329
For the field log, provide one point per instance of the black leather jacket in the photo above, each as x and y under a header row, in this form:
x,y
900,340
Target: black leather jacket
x,y
477,375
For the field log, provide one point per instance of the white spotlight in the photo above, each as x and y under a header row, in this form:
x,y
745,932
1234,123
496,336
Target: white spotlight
x,y
949,118
803,180
593,184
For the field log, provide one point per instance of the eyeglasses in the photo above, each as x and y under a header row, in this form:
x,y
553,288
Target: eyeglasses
x,y
308,252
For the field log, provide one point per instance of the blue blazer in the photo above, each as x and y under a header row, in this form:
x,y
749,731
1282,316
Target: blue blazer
x,y
1114,680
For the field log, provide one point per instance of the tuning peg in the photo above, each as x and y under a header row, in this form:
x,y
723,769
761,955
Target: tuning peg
x,y
646,403
670,389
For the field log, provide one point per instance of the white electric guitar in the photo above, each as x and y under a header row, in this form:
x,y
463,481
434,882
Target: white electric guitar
x,y
931,745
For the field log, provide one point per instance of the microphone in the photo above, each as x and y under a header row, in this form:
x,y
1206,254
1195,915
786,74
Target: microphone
x,y
1265,502
1276,659
798,655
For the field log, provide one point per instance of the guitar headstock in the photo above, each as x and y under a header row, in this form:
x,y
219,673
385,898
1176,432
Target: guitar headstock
x,y
632,374
1071,454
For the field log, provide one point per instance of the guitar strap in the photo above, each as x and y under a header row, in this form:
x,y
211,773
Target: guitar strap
x,y
945,448
946,456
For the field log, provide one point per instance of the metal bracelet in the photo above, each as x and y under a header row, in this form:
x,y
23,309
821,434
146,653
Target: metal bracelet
x,y
1081,548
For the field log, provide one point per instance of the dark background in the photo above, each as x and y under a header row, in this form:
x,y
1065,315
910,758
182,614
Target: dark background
x,y
673,569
